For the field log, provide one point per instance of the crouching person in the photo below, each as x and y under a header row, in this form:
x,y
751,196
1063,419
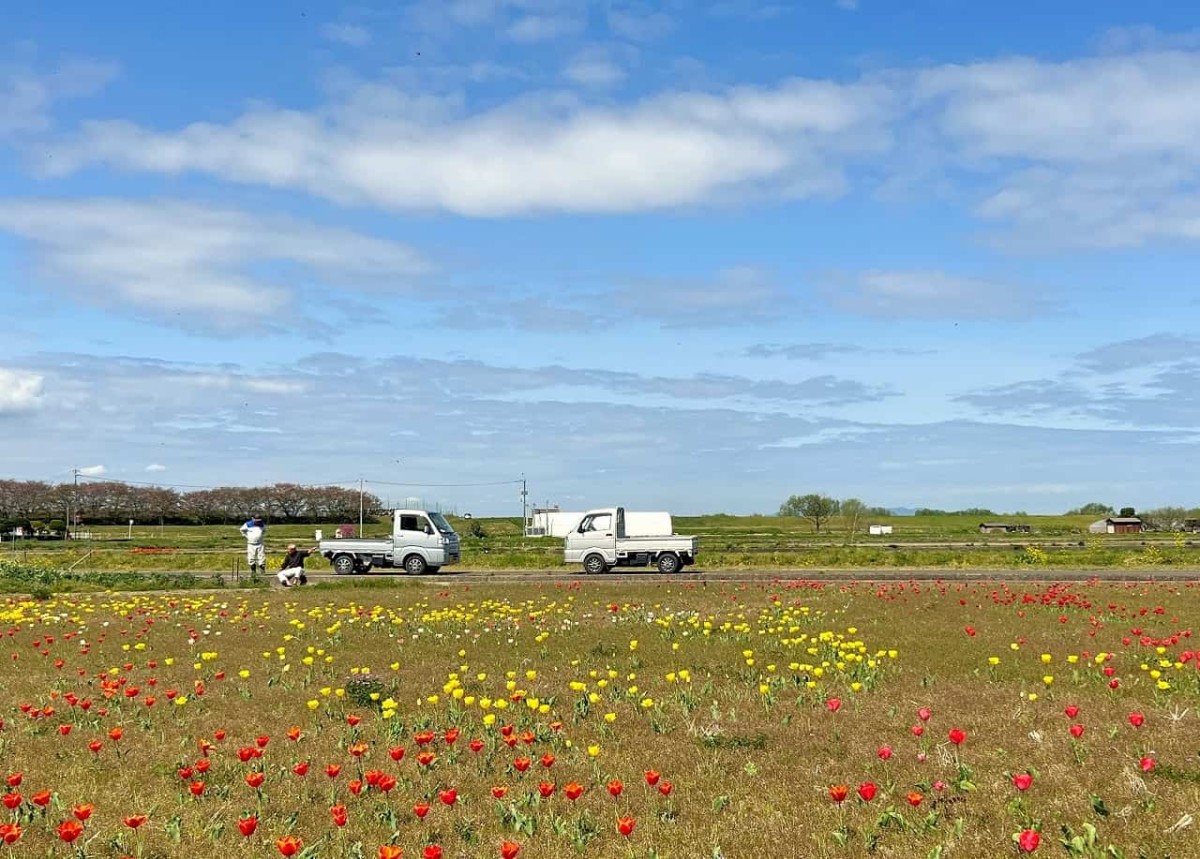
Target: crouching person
x,y
292,571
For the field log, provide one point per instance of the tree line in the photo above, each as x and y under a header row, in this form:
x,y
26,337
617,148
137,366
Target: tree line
x,y
112,503
820,509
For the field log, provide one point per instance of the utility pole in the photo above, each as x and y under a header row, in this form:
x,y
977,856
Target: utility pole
x,y
524,507
360,507
72,503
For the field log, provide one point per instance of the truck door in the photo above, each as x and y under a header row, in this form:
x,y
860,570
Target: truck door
x,y
594,534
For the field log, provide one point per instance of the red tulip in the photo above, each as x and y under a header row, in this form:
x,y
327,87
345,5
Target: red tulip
x,y
83,811
1076,730
15,779
41,798
248,825
421,809
867,791
546,789
255,779
219,734
133,821
423,738
924,714
69,830
665,788
261,742
10,833
12,800
332,770
289,845
652,777
573,790
451,736
1147,764
338,812
477,746
917,730
1136,719
196,788
615,787
185,773
1072,711
625,825
1028,840
521,764
885,753
448,796
358,749
839,792
115,734
426,759
63,730
396,753
499,791
353,719
833,705
301,769
202,765
957,735
355,787
386,783
431,851
1022,781
547,760
509,849
914,798
390,851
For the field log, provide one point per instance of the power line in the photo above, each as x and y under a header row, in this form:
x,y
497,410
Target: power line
x,y
343,483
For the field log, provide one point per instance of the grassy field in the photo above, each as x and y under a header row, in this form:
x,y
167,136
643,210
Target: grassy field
x,y
727,542
671,720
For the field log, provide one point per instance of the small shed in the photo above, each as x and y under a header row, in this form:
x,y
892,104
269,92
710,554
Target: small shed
x,y
879,530
1117,525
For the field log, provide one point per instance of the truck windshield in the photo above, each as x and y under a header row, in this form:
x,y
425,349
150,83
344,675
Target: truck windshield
x,y
439,522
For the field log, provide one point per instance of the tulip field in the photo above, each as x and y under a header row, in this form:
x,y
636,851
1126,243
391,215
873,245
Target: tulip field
x,y
781,719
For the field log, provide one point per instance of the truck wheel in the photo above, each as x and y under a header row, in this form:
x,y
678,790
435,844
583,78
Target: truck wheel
x,y
668,563
595,564
414,565
344,565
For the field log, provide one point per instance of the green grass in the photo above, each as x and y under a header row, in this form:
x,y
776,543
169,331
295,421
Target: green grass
x,y
726,542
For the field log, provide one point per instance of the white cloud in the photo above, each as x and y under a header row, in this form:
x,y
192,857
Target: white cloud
x,y
931,295
27,97
641,22
543,28
19,391
154,466
847,5
530,156
597,66
193,265
346,34
93,470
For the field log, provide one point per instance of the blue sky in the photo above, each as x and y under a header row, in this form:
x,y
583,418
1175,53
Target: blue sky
x,y
686,255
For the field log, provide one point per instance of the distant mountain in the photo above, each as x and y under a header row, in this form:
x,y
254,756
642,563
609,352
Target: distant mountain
x,y
903,511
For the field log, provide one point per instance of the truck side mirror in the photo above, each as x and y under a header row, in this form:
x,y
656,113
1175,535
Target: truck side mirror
x,y
428,529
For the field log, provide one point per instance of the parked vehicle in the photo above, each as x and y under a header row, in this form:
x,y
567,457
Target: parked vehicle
x,y
602,540
421,541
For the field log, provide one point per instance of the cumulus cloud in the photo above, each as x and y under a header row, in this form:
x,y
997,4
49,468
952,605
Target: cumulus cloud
x,y
932,295
154,466
192,265
28,96
19,391
347,34
530,156
92,470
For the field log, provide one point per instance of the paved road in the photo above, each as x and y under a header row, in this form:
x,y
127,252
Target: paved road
x,y
506,577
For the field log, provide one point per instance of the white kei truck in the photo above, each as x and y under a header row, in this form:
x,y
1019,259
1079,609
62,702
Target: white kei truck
x,y
601,541
422,541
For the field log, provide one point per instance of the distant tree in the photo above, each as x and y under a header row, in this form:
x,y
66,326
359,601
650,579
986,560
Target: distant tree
x,y
853,512
1166,518
929,511
976,512
814,507
878,512
1128,511
1095,508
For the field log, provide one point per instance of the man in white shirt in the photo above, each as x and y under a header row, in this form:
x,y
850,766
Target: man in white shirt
x,y
255,531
